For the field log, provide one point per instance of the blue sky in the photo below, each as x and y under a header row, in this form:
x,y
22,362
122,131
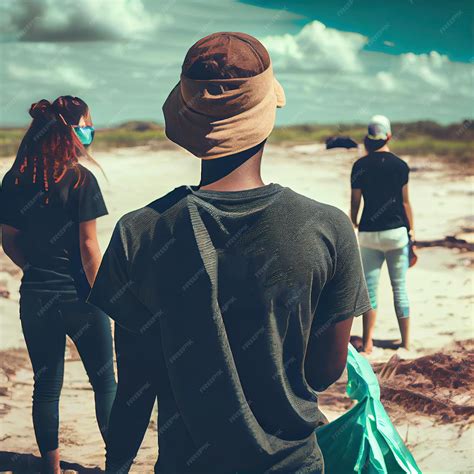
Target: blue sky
x,y
339,61
418,26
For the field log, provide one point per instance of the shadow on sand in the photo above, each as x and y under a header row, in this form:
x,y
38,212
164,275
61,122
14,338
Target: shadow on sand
x,y
28,463
393,344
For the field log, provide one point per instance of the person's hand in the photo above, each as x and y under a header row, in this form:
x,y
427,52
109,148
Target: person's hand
x,y
411,233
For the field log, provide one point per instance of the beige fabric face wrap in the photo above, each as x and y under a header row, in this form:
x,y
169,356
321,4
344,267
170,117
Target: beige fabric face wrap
x,y
219,117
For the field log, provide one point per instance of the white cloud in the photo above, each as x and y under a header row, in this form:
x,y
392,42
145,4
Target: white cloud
x,y
317,47
62,75
425,75
352,83
432,69
328,75
386,80
84,20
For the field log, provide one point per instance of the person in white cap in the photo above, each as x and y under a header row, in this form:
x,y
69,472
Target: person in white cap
x,y
386,224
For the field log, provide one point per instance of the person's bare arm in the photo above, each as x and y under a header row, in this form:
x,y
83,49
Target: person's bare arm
x,y
11,245
90,250
356,195
408,210
328,354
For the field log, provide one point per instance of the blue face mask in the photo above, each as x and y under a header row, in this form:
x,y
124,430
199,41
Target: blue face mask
x,y
85,134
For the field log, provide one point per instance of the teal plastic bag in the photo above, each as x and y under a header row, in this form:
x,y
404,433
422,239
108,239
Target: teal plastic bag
x,y
363,440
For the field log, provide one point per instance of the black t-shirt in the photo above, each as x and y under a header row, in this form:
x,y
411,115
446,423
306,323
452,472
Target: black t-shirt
x,y
233,285
381,177
49,227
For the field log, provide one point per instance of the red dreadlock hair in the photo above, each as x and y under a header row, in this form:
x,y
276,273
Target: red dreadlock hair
x,y
50,146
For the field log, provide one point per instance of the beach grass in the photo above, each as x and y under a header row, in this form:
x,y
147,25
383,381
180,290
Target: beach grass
x,y
10,140
453,142
462,152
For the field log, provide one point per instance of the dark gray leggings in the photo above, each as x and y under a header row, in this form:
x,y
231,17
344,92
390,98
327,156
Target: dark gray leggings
x,y
46,320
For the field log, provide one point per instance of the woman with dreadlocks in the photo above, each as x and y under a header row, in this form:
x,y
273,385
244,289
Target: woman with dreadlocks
x,y
50,203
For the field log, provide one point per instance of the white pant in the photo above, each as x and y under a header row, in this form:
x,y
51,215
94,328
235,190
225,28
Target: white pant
x,y
384,240
390,246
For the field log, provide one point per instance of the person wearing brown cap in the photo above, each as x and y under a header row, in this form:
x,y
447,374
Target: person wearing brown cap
x,y
241,294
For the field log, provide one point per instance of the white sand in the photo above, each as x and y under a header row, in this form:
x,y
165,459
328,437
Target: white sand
x,y
440,287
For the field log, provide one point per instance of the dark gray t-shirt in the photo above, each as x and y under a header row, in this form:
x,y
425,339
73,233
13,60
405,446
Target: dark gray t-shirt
x,y
233,285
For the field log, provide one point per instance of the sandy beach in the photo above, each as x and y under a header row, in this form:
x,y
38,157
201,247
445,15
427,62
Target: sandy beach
x,y
428,391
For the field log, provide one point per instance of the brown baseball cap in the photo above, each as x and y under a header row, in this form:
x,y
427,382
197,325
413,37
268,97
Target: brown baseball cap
x,y
225,55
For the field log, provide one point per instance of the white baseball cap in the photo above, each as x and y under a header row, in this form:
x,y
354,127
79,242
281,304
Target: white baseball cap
x,y
379,128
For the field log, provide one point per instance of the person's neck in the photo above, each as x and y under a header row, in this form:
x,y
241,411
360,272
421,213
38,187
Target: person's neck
x,y
233,173
384,148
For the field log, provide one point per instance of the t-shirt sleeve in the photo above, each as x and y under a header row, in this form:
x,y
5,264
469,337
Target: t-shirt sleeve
x,y
345,294
356,175
114,290
89,199
405,172
10,206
